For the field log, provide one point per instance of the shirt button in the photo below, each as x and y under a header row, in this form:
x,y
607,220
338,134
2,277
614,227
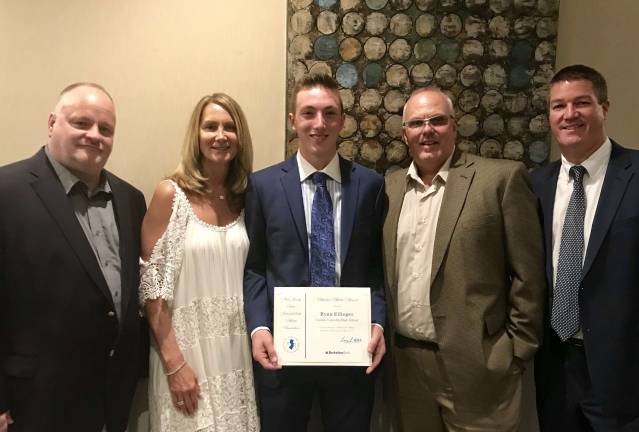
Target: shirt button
x,y
111,353
111,314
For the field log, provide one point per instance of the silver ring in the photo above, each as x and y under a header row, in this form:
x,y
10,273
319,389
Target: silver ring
x,y
180,403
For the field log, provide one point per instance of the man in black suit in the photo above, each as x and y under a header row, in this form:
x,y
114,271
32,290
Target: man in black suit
x,y
69,248
588,368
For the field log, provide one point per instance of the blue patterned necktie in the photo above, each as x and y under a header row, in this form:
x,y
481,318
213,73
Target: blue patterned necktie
x,y
322,234
565,306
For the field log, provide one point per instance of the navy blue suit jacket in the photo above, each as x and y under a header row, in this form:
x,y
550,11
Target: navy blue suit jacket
x,y
609,291
278,254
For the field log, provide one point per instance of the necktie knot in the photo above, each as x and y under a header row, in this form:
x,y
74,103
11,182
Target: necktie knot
x,y
319,179
577,173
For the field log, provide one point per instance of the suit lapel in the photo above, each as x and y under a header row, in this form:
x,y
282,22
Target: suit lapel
x,y
459,180
122,211
617,177
48,188
546,193
396,189
350,192
290,180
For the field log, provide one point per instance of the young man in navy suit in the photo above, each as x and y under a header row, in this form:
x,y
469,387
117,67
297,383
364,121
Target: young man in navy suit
x,y
588,367
279,205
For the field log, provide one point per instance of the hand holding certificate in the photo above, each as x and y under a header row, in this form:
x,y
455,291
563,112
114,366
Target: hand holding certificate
x,y
322,326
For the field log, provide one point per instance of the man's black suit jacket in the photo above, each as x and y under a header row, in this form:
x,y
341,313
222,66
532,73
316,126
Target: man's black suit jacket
x,y
609,292
66,362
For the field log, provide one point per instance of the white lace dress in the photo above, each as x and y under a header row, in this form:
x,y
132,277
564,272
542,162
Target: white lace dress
x,y
198,269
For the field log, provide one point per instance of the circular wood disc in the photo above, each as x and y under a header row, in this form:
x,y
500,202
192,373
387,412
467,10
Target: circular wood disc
x,y
376,23
499,27
349,128
292,146
495,75
448,50
397,75
514,150
448,4
425,50
348,150
394,101
301,22
401,5
327,22
346,5
493,125
376,4
299,70
524,6
353,23
538,151
499,49
346,75
325,47
468,101
546,28
548,7
499,6
374,48
543,74
393,126
300,47
370,125
475,26
300,4
425,5
370,100
325,4
320,68
348,99
470,75
539,124
373,74
472,50
467,146
396,151
475,4
491,100
516,102
467,125
545,52
350,49
421,74
540,97
401,24
371,151
425,24
518,126
519,78
490,148
450,25
446,76
524,27
522,52
399,50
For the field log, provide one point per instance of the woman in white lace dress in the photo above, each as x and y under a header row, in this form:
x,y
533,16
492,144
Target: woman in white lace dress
x,y
194,246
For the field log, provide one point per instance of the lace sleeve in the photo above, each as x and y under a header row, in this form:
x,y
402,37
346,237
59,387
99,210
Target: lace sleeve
x,y
159,274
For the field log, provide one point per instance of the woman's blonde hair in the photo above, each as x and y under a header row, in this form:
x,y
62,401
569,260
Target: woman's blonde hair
x,y
189,175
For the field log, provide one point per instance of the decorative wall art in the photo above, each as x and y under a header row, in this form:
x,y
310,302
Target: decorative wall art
x,y
494,58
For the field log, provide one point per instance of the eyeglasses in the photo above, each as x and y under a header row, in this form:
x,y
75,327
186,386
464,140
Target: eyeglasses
x,y
435,121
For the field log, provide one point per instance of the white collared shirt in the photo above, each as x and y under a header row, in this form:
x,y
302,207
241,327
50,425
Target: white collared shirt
x,y
334,186
416,230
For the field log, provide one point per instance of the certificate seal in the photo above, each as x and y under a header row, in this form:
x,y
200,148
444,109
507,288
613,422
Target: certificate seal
x,y
291,344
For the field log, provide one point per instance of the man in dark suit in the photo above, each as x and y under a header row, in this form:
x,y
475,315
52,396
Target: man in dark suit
x,y
588,367
284,252
69,248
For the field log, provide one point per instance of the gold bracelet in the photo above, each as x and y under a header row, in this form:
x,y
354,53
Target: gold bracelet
x,y
176,369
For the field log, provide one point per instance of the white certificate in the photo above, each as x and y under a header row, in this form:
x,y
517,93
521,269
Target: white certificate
x,y
322,326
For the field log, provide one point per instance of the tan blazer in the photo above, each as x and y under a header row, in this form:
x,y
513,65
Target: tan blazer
x,y
487,282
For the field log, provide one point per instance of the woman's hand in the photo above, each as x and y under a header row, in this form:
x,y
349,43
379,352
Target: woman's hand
x,y
185,390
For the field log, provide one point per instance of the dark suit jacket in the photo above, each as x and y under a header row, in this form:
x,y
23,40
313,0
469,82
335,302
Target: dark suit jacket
x,y
609,292
487,280
66,364
278,254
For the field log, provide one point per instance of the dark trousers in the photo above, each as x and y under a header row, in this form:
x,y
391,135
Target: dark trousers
x,y
567,402
286,397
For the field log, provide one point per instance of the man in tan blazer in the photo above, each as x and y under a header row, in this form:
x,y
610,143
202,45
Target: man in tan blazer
x,y
464,270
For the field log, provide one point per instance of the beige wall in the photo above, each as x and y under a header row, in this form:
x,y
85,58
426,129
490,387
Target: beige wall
x,y
157,58
603,34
